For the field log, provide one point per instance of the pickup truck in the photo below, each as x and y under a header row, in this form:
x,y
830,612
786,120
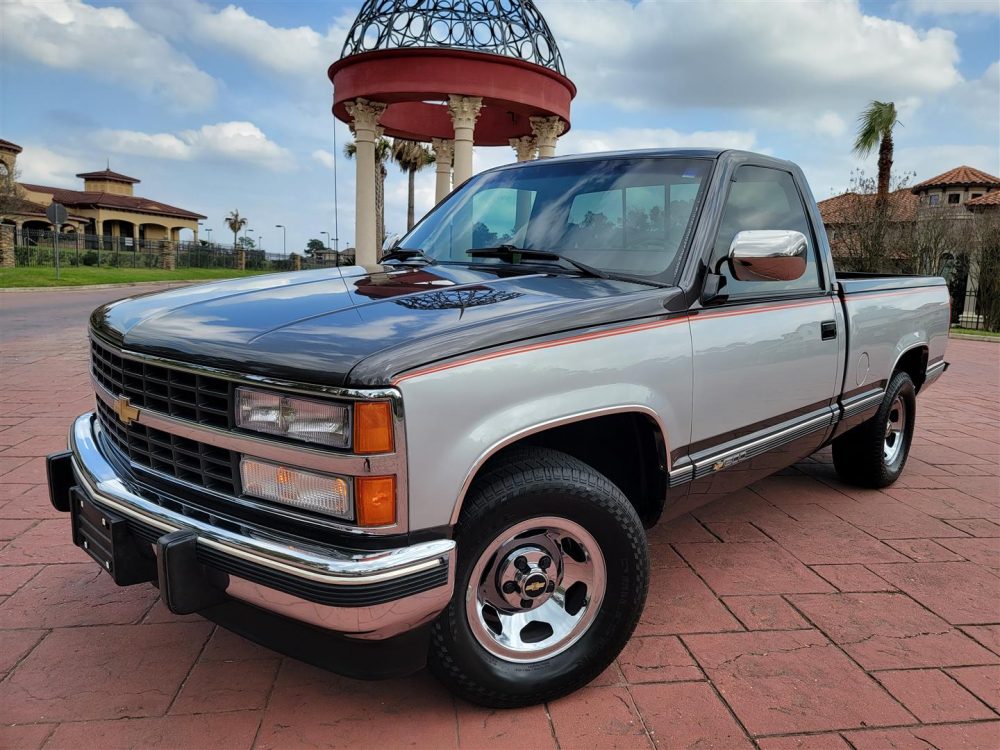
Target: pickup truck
x,y
450,458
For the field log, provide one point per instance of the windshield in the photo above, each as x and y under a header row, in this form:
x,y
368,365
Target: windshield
x,y
630,216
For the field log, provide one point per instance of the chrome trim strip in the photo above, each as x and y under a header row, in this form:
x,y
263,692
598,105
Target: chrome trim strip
x,y
934,372
330,566
541,427
752,448
680,476
353,394
860,403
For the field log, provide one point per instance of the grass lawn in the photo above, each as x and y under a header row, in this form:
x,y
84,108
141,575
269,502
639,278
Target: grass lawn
x,y
976,332
83,275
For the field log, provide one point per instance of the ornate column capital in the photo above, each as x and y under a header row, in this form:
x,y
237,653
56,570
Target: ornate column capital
x,y
464,110
444,151
547,129
525,147
364,114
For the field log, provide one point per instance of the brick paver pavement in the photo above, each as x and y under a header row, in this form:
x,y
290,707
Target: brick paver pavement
x,y
798,613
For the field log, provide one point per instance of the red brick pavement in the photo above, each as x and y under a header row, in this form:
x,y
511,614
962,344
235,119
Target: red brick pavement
x,y
799,613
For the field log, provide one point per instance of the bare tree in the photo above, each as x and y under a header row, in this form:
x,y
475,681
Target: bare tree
x,y
871,237
12,197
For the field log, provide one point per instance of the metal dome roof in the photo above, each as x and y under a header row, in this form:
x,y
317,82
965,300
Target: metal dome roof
x,y
511,28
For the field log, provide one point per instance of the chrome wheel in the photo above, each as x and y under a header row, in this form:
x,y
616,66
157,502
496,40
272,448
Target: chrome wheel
x,y
536,589
895,425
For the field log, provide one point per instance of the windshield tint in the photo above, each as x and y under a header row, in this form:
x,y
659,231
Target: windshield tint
x,y
625,215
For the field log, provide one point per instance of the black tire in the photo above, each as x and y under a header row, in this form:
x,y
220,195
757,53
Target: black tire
x,y
526,484
859,455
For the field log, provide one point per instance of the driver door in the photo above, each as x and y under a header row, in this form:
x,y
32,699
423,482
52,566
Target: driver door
x,y
765,366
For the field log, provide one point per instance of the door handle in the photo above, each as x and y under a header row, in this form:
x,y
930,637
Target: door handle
x,y
828,330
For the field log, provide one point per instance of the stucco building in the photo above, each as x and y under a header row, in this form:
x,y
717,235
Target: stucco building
x,y
107,208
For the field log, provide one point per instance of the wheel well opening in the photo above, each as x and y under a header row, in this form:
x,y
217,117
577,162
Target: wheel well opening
x,y
629,449
914,364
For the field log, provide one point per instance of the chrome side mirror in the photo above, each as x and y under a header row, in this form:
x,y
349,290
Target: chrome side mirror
x,y
768,255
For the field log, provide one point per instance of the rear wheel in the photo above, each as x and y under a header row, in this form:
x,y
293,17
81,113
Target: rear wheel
x,y
874,453
551,580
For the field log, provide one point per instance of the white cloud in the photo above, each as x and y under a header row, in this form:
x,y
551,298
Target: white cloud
x,y
71,35
953,7
585,141
299,50
732,55
928,161
42,166
237,141
324,157
831,124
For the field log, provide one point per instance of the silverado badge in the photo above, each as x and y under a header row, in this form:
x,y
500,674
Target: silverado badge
x,y
125,411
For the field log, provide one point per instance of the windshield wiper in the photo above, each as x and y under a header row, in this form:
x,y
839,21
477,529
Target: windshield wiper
x,y
402,253
514,254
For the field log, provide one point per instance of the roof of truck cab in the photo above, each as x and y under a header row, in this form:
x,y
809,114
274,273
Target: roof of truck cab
x,y
689,153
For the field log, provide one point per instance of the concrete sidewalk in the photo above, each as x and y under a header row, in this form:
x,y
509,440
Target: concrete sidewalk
x,y
799,613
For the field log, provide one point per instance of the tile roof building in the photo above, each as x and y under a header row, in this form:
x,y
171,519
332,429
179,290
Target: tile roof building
x,y
106,208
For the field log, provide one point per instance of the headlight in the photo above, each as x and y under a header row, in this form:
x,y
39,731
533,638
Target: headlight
x,y
297,418
301,489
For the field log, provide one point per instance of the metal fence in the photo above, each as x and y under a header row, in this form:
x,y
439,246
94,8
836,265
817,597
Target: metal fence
x,y
38,248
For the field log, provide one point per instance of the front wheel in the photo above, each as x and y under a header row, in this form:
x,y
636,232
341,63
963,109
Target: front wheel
x,y
551,580
874,453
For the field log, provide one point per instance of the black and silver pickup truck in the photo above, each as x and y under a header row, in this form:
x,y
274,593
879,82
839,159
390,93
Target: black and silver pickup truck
x,y
450,458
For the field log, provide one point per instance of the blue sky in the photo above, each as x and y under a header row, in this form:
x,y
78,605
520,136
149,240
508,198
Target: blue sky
x,y
217,106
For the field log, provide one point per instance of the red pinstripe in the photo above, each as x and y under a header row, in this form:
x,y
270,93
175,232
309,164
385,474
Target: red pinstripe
x,y
627,329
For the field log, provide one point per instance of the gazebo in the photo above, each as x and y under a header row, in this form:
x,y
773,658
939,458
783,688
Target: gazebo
x,y
455,73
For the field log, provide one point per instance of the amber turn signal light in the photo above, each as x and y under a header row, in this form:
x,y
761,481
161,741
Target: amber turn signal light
x,y
373,427
376,500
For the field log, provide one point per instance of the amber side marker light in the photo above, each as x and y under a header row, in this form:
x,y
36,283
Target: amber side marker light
x,y
373,427
376,500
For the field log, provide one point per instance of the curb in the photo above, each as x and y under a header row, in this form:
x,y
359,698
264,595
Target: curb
x,y
971,337
87,287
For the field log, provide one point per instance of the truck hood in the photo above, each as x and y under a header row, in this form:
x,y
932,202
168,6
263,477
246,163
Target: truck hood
x,y
352,326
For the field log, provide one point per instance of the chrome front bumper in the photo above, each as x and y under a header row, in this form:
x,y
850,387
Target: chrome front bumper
x,y
369,591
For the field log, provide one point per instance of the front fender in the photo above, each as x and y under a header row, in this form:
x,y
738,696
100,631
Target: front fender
x,y
457,418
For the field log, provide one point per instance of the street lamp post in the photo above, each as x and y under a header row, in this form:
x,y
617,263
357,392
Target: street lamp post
x,y
209,231
284,239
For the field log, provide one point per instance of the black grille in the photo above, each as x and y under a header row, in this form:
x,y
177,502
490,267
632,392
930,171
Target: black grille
x,y
198,398
190,460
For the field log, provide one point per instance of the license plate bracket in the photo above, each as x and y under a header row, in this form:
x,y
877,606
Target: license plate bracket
x,y
105,536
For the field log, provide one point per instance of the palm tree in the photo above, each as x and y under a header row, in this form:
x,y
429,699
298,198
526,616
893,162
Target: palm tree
x,y
410,157
235,223
383,151
875,126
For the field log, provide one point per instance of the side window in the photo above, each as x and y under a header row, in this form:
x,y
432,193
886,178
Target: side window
x,y
763,198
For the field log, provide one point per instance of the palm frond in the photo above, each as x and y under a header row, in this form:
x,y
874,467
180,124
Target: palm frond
x,y
875,122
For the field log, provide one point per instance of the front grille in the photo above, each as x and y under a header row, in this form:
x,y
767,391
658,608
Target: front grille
x,y
198,398
189,460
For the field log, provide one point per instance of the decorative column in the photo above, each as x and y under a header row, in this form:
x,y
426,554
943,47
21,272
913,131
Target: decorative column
x,y
444,150
364,121
168,253
6,246
464,113
525,147
547,130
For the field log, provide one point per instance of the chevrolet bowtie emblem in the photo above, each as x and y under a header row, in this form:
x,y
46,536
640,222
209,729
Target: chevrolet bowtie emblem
x,y
125,411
